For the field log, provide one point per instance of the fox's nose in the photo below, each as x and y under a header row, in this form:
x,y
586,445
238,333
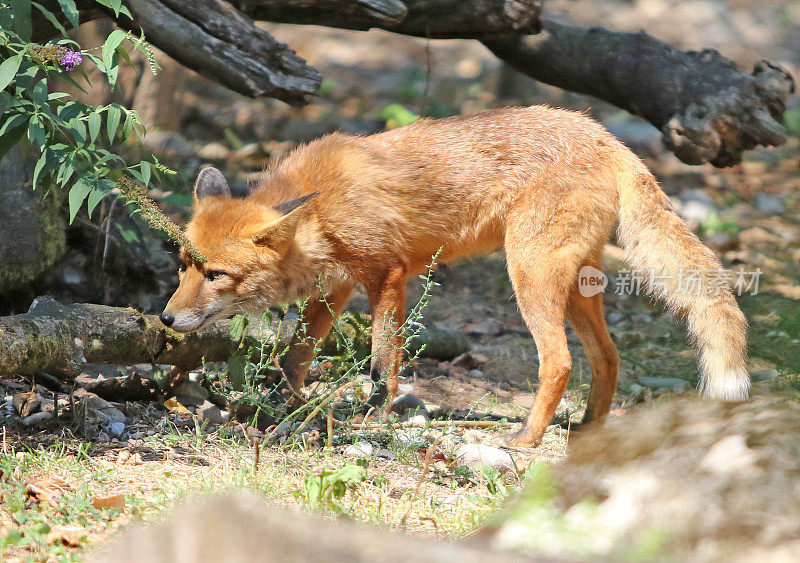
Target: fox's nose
x,y
167,319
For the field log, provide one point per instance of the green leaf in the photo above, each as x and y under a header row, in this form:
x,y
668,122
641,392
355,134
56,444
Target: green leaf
x,y
70,110
50,17
71,11
39,92
22,18
129,235
39,166
145,168
237,326
78,130
15,120
110,46
79,191
10,138
97,194
95,121
112,122
36,132
8,70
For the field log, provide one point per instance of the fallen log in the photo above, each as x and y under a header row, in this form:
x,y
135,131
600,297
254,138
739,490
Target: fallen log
x,y
63,339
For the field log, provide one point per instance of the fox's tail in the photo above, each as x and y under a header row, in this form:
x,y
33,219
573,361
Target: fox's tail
x,y
675,266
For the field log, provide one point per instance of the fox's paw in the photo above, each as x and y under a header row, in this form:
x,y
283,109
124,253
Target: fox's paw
x,y
519,439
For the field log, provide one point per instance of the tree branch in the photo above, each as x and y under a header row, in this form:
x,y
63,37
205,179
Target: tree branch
x,y
706,109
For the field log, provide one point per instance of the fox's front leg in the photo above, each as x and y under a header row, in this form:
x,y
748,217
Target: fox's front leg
x,y
317,319
387,299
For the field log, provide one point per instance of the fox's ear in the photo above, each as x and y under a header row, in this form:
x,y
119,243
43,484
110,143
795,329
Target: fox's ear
x,y
210,181
281,231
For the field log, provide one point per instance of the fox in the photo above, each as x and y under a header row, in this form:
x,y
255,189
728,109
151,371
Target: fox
x,y
547,185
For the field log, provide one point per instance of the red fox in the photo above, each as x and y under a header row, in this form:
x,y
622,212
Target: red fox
x,y
545,184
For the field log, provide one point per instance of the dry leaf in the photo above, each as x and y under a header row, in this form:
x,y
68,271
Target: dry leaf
x,y
173,405
70,536
114,501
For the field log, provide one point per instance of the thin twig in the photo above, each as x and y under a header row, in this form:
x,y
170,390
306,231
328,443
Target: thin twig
x,y
431,424
331,396
257,446
295,394
329,438
425,467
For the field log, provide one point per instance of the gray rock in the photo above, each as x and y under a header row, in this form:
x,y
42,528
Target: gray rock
x,y
360,450
476,373
37,418
474,455
169,143
408,402
770,204
410,439
614,318
103,438
190,393
209,413
674,384
696,205
765,375
102,409
115,429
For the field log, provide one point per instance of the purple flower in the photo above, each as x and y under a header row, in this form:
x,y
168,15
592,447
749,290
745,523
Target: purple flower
x,y
70,60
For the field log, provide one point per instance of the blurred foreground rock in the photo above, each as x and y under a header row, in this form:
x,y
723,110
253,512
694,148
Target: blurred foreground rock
x,y
243,527
683,480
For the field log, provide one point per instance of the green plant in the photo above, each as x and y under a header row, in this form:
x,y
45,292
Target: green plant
x,y
71,138
329,487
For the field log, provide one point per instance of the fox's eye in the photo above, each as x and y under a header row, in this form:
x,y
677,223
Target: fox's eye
x,y
214,274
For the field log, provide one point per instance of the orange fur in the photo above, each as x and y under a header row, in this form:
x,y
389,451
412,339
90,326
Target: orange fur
x,y
546,184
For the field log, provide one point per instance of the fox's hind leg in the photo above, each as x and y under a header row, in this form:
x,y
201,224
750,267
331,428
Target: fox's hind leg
x,y
542,274
585,314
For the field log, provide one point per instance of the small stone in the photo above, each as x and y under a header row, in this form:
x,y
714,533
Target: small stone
x,y
190,393
486,327
614,318
37,418
476,373
408,402
480,454
674,384
769,204
104,410
359,450
115,429
470,360
765,375
209,413
27,403
418,420
103,438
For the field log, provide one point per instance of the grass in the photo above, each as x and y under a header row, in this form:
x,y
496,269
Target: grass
x,y
50,490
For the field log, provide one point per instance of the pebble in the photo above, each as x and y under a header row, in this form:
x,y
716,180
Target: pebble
x,y
480,454
103,438
408,402
674,384
37,418
360,450
476,373
115,429
209,413
769,204
190,393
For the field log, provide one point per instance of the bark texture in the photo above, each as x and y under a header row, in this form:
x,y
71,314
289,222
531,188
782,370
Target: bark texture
x,y
706,109
62,339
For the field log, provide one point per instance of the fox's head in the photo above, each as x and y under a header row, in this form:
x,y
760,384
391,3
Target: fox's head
x,y
252,256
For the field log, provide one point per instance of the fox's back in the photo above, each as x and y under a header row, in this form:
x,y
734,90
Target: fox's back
x,y
448,182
